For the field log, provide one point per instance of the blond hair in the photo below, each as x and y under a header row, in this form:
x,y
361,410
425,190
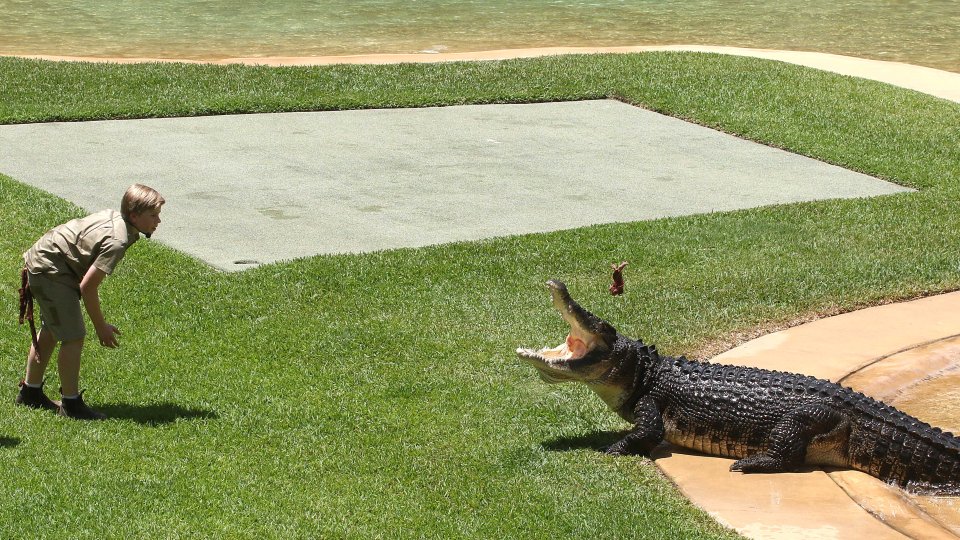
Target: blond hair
x,y
139,199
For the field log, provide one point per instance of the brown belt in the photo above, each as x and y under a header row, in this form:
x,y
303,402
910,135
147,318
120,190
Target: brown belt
x,y
26,309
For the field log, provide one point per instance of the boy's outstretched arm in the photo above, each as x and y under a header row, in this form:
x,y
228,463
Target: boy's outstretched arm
x,y
90,292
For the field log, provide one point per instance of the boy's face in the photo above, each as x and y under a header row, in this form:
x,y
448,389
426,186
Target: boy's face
x,y
146,222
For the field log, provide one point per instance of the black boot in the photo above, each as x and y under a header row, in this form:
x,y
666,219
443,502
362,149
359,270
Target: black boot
x,y
75,408
34,398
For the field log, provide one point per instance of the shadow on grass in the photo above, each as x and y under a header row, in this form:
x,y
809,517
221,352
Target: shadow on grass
x,y
8,442
598,440
155,414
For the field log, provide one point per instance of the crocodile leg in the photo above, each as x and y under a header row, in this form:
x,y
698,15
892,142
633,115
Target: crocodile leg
x,y
647,431
789,439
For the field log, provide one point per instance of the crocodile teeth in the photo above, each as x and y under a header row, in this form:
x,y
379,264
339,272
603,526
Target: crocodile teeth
x,y
556,354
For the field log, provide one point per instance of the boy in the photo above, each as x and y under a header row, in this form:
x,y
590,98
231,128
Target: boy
x,y
64,268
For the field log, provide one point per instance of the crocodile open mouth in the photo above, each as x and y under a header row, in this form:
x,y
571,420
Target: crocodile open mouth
x,y
572,348
555,363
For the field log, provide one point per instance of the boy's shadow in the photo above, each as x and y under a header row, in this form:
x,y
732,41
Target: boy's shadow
x,y
8,442
154,414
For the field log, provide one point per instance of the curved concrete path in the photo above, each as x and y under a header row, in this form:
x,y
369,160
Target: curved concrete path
x,y
906,354
936,82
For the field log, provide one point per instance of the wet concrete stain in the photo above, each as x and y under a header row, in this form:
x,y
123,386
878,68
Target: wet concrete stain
x,y
280,213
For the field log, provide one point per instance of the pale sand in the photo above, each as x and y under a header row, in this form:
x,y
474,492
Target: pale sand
x,y
936,82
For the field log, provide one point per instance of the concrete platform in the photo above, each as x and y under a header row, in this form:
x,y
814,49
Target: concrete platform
x,y
250,189
906,354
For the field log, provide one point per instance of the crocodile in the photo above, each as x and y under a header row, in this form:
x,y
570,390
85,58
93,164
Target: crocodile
x,y
767,421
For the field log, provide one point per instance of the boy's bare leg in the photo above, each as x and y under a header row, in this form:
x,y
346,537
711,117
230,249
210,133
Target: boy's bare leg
x,y
35,369
68,364
72,404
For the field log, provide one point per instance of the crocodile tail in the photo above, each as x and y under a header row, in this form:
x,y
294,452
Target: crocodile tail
x,y
897,447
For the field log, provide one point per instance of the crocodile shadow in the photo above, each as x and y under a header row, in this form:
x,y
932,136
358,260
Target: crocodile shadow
x,y
8,442
598,440
155,414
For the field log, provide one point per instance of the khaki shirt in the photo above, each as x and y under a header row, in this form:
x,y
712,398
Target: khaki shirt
x,y
67,252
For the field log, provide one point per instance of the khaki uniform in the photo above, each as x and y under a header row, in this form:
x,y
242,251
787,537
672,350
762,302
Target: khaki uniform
x,y
62,256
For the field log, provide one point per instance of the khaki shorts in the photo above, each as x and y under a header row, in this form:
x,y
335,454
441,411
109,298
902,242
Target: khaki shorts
x,y
59,307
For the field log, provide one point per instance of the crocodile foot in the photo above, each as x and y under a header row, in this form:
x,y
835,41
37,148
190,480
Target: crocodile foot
x,y
760,463
620,448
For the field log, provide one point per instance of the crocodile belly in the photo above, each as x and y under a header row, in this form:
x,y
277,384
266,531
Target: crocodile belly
x,y
830,449
723,440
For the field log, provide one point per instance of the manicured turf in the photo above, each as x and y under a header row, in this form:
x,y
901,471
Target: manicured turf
x,y
378,395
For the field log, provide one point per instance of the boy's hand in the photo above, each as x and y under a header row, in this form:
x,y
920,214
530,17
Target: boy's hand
x,y
108,336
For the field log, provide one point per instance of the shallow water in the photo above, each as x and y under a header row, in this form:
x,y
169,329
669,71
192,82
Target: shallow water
x,y
914,31
936,399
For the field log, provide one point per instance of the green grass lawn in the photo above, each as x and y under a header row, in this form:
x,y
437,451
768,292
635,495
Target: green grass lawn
x,y
378,395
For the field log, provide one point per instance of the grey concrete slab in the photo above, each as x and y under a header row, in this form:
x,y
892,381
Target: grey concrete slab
x,y
271,187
